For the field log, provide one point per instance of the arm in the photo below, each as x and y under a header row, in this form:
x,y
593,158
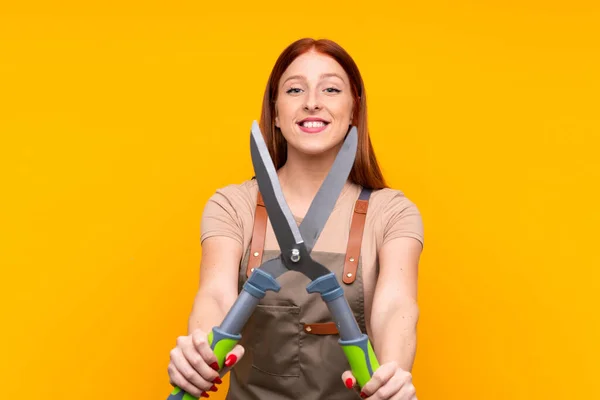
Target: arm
x,y
394,317
395,311
393,326
193,366
217,291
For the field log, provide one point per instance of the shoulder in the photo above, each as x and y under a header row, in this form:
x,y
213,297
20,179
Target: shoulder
x,y
230,211
240,193
241,196
387,199
237,200
395,215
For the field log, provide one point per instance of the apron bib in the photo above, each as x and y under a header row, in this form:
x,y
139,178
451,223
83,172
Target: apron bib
x,y
291,343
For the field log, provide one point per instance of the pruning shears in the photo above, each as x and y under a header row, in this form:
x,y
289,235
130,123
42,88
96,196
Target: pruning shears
x,y
296,243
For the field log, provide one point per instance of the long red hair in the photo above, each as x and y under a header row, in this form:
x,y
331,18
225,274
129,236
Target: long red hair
x,y
365,171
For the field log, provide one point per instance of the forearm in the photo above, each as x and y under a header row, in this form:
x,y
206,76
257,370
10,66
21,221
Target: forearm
x,y
395,335
208,311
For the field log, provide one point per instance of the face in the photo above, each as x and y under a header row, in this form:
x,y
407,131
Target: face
x,y
314,104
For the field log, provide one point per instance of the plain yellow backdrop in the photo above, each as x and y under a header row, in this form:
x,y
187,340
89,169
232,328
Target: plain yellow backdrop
x,y
119,119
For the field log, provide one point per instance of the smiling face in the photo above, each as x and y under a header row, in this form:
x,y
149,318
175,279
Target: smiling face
x,y
314,104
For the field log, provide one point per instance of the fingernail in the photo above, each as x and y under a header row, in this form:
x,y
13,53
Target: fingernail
x,y
213,388
217,380
349,383
230,360
364,396
215,366
204,394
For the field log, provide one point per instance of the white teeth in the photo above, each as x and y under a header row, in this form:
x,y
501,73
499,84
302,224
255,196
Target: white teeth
x,y
313,124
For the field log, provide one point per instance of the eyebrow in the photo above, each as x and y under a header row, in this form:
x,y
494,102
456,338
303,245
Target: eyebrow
x,y
328,75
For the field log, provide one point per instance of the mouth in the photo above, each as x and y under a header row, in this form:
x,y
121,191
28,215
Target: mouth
x,y
312,125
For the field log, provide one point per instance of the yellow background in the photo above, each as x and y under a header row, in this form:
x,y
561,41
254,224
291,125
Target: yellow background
x,y
118,121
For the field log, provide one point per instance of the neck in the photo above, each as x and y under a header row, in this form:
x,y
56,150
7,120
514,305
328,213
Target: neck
x,y
302,175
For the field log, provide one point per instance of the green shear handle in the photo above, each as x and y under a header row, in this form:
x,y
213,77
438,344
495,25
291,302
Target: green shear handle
x,y
223,339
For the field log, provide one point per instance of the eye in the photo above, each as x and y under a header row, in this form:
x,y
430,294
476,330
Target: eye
x,y
333,90
293,90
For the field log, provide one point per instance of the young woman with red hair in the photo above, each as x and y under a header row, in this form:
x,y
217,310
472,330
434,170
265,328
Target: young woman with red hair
x,y
289,347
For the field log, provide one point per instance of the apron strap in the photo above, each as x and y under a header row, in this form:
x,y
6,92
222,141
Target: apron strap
x,y
258,236
355,238
352,256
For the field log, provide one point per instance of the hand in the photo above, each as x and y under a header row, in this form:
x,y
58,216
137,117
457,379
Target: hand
x,y
193,366
388,382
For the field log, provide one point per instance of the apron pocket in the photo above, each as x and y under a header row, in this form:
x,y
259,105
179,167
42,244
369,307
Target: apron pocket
x,y
276,344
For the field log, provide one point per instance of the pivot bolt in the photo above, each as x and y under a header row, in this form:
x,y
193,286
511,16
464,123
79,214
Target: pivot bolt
x,y
295,255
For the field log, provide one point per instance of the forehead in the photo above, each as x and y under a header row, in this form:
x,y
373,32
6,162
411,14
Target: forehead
x,y
312,65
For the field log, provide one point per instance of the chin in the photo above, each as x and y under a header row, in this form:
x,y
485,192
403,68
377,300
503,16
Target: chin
x,y
313,149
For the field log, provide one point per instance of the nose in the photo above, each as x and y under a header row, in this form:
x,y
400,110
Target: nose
x,y
312,102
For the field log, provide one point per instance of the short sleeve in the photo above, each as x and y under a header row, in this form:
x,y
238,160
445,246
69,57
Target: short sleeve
x,y
220,218
402,219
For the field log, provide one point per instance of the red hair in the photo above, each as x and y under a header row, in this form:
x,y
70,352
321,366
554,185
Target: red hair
x,y
365,171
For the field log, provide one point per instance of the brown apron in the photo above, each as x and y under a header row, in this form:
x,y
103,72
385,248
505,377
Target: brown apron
x,y
291,343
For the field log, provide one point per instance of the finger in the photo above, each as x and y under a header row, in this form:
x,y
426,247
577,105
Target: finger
x,y
200,356
390,390
200,371
177,379
406,392
406,389
348,379
201,345
191,375
232,358
383,374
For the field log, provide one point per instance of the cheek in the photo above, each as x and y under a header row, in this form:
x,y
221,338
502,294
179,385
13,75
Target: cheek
x,y
284,111
343,111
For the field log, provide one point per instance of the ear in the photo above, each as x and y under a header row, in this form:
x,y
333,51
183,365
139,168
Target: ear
x,y
277,122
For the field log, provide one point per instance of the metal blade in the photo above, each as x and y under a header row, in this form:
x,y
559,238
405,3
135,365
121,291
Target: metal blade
x,y
325,199
274,267
283,223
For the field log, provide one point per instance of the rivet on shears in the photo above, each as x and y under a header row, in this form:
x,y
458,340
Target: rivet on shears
x,y
349,275
351,259
308,329
295,255
251,269
256,254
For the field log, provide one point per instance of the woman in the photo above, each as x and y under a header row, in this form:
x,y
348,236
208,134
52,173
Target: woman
x,y
289,347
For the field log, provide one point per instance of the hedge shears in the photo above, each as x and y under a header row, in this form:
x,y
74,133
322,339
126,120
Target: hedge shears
x,y
296,243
